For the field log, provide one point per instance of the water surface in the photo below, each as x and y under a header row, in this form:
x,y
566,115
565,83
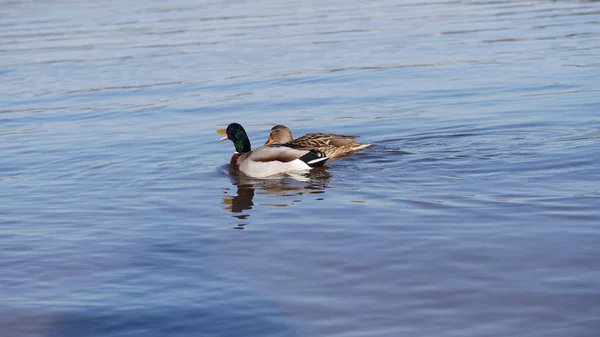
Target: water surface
x,y
474,213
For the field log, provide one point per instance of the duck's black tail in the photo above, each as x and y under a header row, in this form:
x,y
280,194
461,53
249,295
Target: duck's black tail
x,y
314,158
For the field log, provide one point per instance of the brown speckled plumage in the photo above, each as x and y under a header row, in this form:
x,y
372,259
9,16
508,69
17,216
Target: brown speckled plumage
x,y
332,145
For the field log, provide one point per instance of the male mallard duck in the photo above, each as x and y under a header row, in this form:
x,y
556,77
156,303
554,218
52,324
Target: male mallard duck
x,y
268,160
332,145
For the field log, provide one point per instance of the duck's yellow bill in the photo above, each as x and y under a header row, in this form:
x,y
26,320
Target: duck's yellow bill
x,y
222,132
271,140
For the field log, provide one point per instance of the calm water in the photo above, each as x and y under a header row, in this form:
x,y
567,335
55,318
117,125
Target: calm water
x,y
475,213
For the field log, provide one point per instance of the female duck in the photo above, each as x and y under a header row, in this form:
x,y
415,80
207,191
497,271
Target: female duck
x,y
266,161
331,144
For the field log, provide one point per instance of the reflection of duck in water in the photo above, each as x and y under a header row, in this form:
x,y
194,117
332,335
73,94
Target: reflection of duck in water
x,y
269,160
278,188
242,201
331,144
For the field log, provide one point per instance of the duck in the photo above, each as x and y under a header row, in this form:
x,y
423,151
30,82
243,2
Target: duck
x,y
268,160
331,144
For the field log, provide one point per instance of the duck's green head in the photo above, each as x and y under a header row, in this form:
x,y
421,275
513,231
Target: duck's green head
x,y
238,136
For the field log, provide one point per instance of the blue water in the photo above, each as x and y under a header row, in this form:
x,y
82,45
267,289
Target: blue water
x,y
476,212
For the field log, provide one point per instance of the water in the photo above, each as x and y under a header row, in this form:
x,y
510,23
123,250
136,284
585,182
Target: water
x,y
474,213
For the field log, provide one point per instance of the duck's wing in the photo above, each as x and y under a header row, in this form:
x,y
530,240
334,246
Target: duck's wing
x,y
324,139
286,154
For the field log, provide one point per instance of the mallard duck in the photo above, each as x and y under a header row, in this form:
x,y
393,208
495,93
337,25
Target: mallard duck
x,y
268,160
331,144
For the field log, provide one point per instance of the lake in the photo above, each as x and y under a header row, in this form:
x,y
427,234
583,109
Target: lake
x,y
475,212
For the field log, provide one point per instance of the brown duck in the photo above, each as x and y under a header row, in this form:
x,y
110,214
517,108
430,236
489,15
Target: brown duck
x,y
331,144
